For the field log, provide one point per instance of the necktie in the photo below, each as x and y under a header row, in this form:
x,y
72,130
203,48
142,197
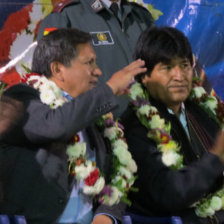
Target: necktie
x,y
114,8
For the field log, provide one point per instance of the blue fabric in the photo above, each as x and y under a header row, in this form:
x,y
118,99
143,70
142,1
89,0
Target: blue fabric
x,y
183,119
12,219
139,219
66,95
79,206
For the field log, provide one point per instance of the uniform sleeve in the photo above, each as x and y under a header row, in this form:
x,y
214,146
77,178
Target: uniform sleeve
x,y
53,20
171,190
40,124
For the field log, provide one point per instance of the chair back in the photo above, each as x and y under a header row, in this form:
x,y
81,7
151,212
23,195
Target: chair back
x,y
131,218
12,219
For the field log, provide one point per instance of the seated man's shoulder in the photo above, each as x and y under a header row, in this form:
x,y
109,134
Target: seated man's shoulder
x,y
63,4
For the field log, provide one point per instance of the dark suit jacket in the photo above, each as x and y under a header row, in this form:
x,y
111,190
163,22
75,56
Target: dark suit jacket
x,y
165,192
33,162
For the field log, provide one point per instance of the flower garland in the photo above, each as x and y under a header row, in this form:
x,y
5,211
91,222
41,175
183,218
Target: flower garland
x,y
85,170
159,131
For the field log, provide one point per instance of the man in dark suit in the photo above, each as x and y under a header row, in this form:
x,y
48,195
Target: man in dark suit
x,y
34,164
172,138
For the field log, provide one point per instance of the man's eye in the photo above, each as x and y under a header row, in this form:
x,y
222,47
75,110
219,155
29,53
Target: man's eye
x,y
166,67
90,62
185,65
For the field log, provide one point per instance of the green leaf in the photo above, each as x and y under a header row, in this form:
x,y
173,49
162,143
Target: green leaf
x,y
28,70
2,87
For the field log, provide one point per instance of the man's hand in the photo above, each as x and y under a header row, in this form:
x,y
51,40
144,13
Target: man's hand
x,y
102,219
120,80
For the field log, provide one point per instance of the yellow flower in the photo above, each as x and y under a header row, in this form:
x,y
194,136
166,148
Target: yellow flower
x,y
170,146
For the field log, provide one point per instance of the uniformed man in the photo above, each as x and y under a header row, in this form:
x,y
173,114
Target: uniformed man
x,y
114,34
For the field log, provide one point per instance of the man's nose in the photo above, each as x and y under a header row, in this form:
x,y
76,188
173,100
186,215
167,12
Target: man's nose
x,y
177,72
97,71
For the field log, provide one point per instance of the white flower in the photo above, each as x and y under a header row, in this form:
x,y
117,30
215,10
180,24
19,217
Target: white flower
x,y
124,156
204,212
132,166
76,150
135,91
58,102
37,80
144,110
96,188
125,172
115,197
112,132
170,158
45,86
216,203
153,109
54,87
199,91
156,122
82,171
211,103
47,96
120,144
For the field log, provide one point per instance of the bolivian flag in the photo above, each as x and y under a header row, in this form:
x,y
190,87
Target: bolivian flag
x,y
48,30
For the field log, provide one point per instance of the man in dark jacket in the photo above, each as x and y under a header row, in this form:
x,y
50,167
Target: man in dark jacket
x,y
34,156
173,139
113,36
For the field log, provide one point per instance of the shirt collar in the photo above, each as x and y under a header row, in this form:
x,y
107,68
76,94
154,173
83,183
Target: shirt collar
x,y
182,118
108,3
66,95
182,109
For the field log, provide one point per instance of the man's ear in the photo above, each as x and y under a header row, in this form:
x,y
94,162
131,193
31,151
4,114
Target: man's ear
x,y
57,71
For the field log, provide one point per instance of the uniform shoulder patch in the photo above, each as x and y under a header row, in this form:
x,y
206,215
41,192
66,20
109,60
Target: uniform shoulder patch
x,y
62,4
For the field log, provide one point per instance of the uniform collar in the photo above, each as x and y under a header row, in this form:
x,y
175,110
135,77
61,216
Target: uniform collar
x,y
108,3
98,5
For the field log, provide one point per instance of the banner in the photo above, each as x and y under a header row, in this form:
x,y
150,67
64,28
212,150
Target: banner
x,y
202,23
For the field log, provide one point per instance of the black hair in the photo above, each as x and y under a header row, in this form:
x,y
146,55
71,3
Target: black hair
x,y
162,44
58,46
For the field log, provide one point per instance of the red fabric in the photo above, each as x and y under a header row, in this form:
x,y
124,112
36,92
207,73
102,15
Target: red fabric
x,y
12,26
